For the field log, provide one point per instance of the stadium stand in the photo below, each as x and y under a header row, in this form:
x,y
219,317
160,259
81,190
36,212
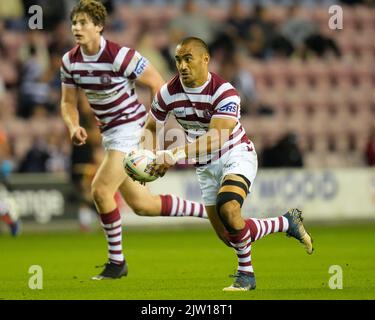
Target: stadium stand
x,y
317,85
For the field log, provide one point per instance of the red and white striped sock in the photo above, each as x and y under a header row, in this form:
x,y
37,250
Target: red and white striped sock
x,y
111,223
259,228
241,242
177,207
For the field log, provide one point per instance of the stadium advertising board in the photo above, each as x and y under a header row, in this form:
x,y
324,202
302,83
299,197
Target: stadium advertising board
x,y
40,197
326,194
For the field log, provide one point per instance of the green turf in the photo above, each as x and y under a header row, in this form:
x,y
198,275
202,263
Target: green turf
x,y
189,264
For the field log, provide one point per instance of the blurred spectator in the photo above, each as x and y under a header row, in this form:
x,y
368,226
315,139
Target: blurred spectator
x,y
281,47
190,22
231,38
58,159
321,46
370,149
256,42
232,70
61,39
147,47
8,108
237,21
8,57
11,10
261,17
285,153
45,155
52,78
109,6
12,13
35,46
48,151
34,90
223,48
193,22
304,36
36,158
6,163
295,28
260,33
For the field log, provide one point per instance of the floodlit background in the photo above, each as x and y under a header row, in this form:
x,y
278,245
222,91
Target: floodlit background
x,y
308,100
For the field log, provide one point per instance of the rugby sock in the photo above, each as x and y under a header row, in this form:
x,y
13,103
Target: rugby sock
x,y
241,242
111,223
259,228
176,207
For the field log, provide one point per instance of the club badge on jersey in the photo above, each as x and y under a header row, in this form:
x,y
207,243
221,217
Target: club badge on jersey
x,y
105,79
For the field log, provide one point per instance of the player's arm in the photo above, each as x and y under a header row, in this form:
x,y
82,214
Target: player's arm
x,y
70,114
218,133
149,136
151,79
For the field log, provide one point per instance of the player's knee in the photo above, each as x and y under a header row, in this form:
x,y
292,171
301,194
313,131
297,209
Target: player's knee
x,y
230,211
228,206
143,207
138,207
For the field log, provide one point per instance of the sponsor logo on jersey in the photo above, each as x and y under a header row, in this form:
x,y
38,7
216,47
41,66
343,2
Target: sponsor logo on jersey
x,y
230,108
102,96
180,112
141,65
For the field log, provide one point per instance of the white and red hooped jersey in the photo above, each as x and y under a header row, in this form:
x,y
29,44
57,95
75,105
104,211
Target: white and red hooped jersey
x,y
194,108
107,79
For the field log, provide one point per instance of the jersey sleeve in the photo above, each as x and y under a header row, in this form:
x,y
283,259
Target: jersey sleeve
x,y
65,73
135,65
227,104
159,109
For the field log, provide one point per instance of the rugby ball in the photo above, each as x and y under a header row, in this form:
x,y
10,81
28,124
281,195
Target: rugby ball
x,y
135,164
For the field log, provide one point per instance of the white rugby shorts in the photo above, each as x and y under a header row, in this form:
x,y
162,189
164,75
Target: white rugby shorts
x,y
124,138
239,160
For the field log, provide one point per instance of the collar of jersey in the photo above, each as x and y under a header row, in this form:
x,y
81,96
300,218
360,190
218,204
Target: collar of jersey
x,y
197,89
95,57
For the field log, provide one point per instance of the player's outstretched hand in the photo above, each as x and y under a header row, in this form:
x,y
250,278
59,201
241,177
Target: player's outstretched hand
x,y
79,136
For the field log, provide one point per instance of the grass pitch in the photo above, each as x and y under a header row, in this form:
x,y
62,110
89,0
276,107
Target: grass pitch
x,y
189,264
